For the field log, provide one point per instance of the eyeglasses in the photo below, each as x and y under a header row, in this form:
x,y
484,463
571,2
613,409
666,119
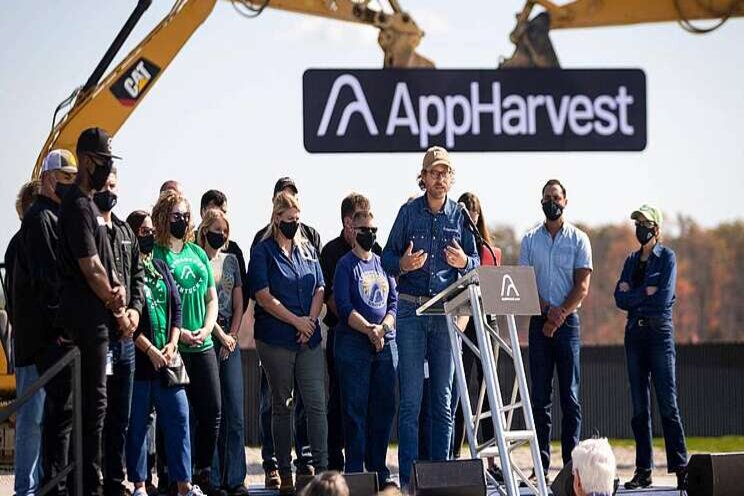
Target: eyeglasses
x,y
436,175
176,216
145,231
365,229
102,161
645,223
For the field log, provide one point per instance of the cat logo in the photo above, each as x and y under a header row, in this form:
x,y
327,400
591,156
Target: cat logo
x,y
134,82
509,289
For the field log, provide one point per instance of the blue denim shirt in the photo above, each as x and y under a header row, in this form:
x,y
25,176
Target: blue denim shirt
x,y
431,232
661,272
555,260
293,281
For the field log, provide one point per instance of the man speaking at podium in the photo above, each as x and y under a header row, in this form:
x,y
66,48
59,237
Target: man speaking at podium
x,y
561,256
429,247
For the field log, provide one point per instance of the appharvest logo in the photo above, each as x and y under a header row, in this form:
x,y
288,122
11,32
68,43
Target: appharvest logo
x,y
510,110
134,82
509,290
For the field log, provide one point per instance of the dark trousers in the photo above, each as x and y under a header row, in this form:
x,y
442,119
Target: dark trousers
x,y
301,441
206,403
335,409
469,362
93,350
57,424
367,382
650,354
559,353
119,404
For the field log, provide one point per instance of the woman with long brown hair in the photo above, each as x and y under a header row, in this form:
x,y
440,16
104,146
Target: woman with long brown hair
x,y
174,235
287,285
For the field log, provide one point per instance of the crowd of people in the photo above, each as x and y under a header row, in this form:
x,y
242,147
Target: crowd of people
x,y
154,303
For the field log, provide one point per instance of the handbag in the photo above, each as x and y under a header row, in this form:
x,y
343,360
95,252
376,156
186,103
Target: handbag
x,y
174,373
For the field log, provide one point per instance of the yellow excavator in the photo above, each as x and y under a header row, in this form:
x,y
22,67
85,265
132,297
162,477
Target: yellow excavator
x,y
107,101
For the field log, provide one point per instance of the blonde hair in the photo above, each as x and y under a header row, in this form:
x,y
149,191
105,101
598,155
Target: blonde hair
x,y
26,196
282,202
329,483
211,216
161,213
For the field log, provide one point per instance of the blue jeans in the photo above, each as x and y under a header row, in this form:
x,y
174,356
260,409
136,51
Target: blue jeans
x,y
302,443
172,408
561,353
119,403
228,467
419,339
367,382
649,350
28,434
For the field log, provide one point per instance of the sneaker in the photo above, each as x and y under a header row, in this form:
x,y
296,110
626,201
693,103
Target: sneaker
x,y
240,490
304,475
272,480
682,478
287,483
140,491
204,481
195,491
496,473
641,478
151,489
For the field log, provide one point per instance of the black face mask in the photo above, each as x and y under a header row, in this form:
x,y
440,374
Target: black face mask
x,y
644,234
61,190
366,240
178,228
216,240
105,200
552,210
100,176
146,243
289,229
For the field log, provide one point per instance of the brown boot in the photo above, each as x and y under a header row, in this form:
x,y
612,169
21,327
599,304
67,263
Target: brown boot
x,y
272,480
305,474
286,482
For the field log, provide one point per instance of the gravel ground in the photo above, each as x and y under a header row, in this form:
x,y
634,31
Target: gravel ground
x,y
625,462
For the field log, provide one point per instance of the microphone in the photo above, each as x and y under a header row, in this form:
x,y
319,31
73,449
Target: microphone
x,y
469,222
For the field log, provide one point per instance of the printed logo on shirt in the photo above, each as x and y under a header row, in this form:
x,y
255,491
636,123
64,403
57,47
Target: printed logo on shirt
x,y
373,288
188,276
509,290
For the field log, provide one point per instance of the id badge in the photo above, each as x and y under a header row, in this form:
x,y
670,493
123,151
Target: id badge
x,y
109,362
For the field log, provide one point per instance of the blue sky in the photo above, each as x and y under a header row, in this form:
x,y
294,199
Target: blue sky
x,y
227,113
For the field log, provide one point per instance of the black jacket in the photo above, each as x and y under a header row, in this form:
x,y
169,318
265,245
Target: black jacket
x,y
127,262
36,284
143,369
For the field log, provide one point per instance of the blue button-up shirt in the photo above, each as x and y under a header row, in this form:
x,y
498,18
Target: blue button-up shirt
x,y
431,232
291,280
661,272
555,260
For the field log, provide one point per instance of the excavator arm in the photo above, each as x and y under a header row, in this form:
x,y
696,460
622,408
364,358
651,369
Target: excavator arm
x,y
108,103
534,49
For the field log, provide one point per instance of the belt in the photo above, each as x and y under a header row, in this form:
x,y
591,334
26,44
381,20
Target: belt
x,y
417,300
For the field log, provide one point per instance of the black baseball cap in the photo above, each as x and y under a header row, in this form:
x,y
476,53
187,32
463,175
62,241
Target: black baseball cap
x,y
96,141
284,182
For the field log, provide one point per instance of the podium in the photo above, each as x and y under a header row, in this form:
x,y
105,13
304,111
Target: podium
x,y
494,291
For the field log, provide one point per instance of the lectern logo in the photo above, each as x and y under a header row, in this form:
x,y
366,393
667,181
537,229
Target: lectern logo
x,y
509,290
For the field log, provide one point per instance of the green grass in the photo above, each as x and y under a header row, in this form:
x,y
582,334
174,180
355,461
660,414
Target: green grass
x,y
723,444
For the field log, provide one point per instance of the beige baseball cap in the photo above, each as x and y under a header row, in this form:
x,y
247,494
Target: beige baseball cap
x,y
648,212
436,155
60,159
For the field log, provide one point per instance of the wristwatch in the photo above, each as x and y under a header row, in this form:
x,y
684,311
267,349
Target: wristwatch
x,y
386,327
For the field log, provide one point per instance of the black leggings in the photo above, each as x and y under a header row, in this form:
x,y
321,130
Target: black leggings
x,y
206,405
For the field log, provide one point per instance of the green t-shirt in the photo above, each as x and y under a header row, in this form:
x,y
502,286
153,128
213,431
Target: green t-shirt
x,y
156,295
193,275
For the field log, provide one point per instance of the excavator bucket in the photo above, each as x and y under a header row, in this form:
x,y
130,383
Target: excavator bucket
x,y
533,47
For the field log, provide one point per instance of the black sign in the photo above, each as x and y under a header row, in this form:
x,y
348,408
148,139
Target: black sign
x,y
393,110
134,82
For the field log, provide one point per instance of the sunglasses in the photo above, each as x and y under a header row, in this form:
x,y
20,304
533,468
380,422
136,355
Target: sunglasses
x,y
645,223
372,230
176,216
146,232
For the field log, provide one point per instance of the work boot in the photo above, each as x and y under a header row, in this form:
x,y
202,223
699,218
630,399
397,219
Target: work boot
x,y
204,481
305,474
272,480
681,478
641,478
286,482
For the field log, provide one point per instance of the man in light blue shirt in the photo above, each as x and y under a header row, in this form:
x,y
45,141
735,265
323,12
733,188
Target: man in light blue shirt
x,y
561,256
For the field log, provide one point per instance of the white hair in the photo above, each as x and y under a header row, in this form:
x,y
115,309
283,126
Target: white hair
x,y
594,461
